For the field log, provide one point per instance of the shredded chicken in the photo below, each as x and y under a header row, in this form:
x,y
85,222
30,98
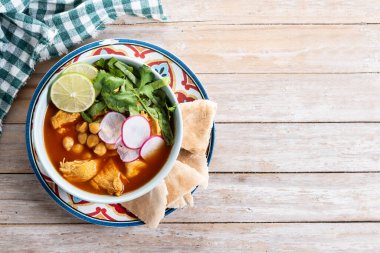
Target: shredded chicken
x,y
79,170
109,179
135,167
61,118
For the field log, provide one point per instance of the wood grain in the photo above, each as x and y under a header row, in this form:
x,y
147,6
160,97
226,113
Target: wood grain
x,y
209,48
13,154
273,98
258,148
270,65
230,198
260,238
267,12
171,237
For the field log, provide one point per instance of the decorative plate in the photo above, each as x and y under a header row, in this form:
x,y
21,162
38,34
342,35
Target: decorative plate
x,y
183,81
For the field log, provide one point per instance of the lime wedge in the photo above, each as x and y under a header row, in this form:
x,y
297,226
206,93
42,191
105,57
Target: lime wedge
x,y
82,68
72,92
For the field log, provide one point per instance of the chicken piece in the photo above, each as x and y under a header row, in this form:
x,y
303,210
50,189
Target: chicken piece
x,y
134,168
109,179
82,127
62,130
153,123
79,170
61,118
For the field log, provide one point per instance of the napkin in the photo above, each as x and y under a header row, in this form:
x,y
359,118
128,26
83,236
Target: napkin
x,y
190,169
33,31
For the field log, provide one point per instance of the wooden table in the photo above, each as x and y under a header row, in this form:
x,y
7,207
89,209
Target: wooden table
x,y
297,157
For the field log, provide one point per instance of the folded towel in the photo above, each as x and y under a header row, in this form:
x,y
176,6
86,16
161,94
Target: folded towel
x,y
33,31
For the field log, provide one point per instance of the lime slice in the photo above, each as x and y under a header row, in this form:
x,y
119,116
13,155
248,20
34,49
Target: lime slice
x,y
72,92
82,68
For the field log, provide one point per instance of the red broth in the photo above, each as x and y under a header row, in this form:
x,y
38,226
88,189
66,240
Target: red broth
x,y
57,153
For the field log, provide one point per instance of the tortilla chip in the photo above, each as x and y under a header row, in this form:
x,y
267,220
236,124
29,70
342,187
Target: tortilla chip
x,y
180,181
198,162
150,208
197,117
186,200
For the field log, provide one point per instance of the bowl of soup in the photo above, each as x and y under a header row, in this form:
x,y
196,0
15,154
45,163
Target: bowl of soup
x,y
106,129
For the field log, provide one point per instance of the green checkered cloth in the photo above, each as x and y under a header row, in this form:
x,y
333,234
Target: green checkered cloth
x,y
36,30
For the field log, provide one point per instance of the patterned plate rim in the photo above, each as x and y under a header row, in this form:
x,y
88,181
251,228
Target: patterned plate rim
x,y
45,80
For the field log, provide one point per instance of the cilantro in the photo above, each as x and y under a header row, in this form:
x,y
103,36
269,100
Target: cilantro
x,y
100,64
98,81
128,90
96,109
160,83
86,117
146,76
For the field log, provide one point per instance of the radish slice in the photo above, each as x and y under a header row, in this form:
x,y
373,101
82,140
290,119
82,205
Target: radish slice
x,y
135,131
151,146
110,127
126,154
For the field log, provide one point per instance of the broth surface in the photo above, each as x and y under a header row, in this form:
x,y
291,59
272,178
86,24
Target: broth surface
x,y
57,153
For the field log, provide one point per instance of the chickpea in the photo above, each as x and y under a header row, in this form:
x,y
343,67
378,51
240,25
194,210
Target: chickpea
x,y
92,140
82,138
100,149
94,127
82,127
77,148
68,142
87,156
110,146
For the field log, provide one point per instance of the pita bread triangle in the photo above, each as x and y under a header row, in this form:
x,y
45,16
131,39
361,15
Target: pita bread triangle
x,y
198,117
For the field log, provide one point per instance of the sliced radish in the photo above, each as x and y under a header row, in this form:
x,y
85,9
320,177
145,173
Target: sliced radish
x,y
110,127
151,146
126,154
135,131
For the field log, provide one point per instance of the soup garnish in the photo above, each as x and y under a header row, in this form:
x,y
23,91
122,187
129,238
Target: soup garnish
x,y
122,139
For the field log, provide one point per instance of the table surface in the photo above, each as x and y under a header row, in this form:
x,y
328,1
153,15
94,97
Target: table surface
x,y
297,157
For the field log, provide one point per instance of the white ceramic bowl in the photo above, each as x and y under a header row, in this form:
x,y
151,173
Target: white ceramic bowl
x,y
38,140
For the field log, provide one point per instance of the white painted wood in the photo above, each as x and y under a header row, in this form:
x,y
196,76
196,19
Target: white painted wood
x,y
268,11
232,43
260,238
208,48
258,148
273,98
230,198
